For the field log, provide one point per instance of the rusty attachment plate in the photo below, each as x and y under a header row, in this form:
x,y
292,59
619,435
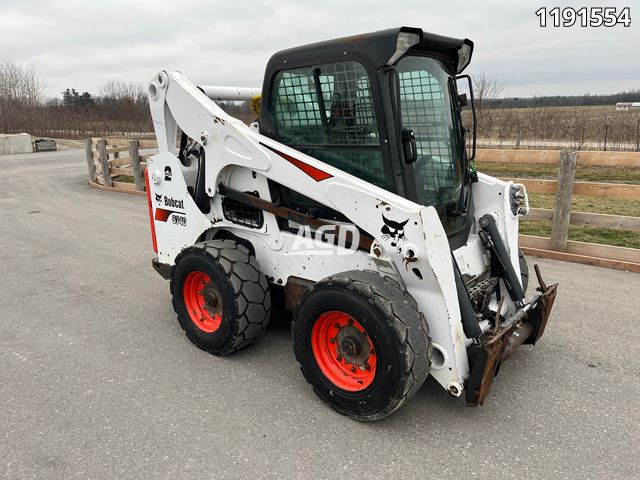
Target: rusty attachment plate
x,y
539,317
486,357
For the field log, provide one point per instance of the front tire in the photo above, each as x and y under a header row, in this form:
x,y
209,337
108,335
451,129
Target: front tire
x,y
220,296
361,343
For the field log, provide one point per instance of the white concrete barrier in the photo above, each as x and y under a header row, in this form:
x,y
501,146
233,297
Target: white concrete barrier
x,y
18,143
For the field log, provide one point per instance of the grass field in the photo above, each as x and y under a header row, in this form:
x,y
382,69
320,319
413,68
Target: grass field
x,y
589,127
581,203
584,173
606,236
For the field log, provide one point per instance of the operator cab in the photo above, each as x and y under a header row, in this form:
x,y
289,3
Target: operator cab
x,y
383,107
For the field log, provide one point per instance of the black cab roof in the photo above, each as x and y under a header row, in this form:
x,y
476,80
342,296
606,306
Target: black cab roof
x,y
378,47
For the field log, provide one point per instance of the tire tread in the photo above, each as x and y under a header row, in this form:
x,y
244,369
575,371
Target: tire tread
x,y
249,285
386,294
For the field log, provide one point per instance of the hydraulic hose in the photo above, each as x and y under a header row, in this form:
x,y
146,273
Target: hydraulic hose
x,y
470,323
500,258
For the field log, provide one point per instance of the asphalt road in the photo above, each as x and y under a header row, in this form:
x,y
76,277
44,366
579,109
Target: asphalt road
x,y
97,379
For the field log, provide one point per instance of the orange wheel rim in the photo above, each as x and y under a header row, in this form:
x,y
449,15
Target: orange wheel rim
x,y
343,350
202,301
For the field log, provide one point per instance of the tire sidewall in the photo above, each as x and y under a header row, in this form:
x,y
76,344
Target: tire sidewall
x,y
388,383
200,261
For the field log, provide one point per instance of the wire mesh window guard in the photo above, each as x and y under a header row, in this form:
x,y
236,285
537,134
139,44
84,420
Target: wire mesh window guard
x,y
327,111
426,109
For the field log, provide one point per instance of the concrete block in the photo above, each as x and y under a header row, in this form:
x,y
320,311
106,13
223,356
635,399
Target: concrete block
x,y
18,143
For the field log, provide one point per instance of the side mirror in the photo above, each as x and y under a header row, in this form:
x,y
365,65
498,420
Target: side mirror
x,y
409,146
471,154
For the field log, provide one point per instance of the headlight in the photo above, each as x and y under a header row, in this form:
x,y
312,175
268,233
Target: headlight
x,y
519,199
405,41
464,55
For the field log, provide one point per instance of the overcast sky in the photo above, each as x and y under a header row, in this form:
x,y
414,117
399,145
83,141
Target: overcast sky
x,y
81,44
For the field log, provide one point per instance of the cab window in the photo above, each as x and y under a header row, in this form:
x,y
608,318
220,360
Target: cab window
x,y
327,112
426,107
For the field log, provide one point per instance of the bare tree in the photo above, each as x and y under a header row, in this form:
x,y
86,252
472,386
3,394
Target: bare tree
x,y
486,90
20,90
125,105
19,84
120,90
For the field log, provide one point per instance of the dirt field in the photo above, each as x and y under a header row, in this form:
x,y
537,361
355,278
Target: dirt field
x,y
65,144
591,127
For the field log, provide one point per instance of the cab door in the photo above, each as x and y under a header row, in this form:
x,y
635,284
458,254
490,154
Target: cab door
x,y
328,111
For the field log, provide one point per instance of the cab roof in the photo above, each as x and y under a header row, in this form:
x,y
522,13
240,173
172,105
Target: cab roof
x,y
378,47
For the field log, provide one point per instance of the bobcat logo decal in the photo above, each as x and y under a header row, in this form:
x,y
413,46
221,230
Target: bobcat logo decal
x,y
393,230
158,198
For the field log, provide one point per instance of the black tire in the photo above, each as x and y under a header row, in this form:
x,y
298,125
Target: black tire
x,y
524,270
242,289
397,331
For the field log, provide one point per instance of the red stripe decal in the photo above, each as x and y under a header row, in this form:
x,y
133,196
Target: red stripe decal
x,y
162,215
315,173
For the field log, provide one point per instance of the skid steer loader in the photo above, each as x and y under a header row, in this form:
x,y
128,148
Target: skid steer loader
x,y
353,202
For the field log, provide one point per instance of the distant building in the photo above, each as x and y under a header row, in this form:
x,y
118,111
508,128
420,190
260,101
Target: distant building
x,y
622,106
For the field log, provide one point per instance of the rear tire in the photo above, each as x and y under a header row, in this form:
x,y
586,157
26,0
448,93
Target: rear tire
x,y
219,295
361,343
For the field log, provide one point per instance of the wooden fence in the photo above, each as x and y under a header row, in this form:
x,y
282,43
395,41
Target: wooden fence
x,y
116,163
558,246
108,155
